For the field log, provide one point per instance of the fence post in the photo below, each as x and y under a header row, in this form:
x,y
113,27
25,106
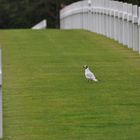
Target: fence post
x,y
130,26
81,14
120,22
116,20
89,14
102,16
125,32
112,19
1,111
135,28
107,17
95,13
71,17
139,28
92,17
84,14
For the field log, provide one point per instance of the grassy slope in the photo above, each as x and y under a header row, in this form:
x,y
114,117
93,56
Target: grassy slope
x,y
47,97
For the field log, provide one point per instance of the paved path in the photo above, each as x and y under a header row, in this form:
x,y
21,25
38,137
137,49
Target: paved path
x,y
1,120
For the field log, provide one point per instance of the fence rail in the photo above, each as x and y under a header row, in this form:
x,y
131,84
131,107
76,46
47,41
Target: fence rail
x,y
1,111
116,20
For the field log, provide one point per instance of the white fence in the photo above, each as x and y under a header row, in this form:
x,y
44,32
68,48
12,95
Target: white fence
x,y
1,113
40,25
116,20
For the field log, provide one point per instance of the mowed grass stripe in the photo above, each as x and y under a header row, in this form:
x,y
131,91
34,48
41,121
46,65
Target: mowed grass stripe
x,y
46,95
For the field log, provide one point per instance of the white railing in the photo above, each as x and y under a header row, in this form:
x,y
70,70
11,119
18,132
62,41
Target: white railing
x,y
1,112
116,20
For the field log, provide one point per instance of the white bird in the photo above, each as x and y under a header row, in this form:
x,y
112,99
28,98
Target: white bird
x,y
88,74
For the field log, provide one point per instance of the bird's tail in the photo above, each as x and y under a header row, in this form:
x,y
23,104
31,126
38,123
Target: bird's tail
x,y
95,80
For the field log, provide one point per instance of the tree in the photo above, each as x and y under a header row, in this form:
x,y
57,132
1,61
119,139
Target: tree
x,y
26,13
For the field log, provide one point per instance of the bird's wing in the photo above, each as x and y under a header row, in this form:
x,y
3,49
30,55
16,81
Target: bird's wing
x,y
90,75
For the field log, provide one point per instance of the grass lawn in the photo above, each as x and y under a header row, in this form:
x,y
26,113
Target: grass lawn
x,y
45,93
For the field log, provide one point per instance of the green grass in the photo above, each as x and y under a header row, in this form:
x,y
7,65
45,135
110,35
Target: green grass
x,y
46,96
